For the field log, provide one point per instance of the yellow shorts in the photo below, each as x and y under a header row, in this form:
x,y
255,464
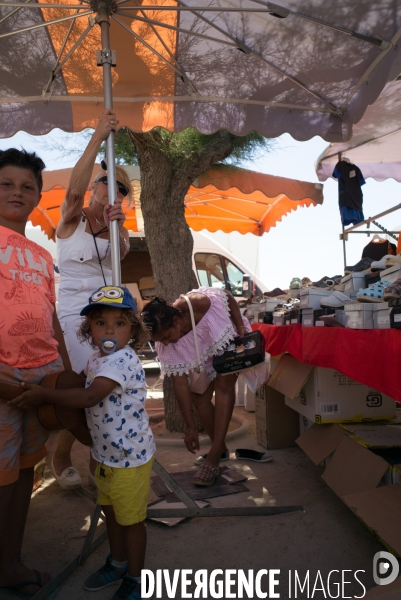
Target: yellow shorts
x,y
126,490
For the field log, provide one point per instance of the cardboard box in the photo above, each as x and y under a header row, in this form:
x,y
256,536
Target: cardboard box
x,y
311,317
353,469
381,316
278,317
265,317
307,317
359,315
384,441
241,353
353,282
295,317
391,274
392,591
353,473
310,298
147,287
320,441
379,509
304,424
277,426
395,317
326,396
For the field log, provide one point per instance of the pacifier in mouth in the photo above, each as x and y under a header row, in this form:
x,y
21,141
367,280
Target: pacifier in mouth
x,y
109,345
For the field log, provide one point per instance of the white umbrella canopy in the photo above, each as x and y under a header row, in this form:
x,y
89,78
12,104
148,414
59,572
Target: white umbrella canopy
x,y
307,67
376,141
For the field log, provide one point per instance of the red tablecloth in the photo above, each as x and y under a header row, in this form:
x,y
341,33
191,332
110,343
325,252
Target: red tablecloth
x,y
372,357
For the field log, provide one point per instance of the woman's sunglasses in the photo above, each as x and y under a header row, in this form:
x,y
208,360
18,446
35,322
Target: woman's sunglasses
x,y
121,187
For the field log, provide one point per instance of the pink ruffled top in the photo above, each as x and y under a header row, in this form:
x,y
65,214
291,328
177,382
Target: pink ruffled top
x,y
214,332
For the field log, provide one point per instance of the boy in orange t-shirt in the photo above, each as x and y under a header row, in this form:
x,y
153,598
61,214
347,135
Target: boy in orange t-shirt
x,y
31,347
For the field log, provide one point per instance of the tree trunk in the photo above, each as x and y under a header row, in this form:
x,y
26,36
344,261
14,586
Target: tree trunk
x,y
168,236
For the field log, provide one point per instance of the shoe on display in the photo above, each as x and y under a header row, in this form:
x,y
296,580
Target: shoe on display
x,y
380,265
392,291
373,293
391,261
295,283
322,282
335,300
273,293
70,479
362,265
339,287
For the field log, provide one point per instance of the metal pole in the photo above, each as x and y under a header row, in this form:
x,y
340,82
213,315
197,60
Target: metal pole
x,y
344,252
106,59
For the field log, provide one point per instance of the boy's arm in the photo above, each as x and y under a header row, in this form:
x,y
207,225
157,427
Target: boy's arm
x,y
77,398
58,334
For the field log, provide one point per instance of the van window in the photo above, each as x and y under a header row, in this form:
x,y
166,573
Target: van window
x,y
210,270
234,276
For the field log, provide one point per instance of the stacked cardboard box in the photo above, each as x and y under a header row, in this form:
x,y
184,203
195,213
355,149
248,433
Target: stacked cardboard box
x,y
326,396
358,475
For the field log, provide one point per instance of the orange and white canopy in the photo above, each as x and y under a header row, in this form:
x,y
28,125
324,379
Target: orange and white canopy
x,y
224,198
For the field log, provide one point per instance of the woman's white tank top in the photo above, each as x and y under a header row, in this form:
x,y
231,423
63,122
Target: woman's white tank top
x,y
80,272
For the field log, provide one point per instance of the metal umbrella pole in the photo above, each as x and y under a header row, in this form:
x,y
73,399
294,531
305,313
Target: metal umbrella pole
x,y
106,59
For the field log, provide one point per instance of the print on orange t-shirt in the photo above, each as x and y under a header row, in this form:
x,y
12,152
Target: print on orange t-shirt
x,y
26,296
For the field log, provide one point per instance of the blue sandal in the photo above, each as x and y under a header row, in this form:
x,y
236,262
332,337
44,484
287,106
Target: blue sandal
x,y
373,293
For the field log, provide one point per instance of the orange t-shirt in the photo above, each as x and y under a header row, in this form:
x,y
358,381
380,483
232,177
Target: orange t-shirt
x,y
26,296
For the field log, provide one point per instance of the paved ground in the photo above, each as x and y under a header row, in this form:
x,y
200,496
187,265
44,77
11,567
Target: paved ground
x,y
324,537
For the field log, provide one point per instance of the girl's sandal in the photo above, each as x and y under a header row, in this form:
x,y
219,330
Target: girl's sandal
x,y
205,475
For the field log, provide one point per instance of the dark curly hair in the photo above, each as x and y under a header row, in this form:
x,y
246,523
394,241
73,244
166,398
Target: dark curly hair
x,y
24,160
139,331
158,315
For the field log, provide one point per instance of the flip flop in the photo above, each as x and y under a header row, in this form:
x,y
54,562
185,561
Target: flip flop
x,y
13,592
245,454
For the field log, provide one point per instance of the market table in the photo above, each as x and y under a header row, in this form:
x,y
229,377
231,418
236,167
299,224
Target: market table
x,y
371,357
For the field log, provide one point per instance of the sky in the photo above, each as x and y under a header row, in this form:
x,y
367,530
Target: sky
x,y
304,244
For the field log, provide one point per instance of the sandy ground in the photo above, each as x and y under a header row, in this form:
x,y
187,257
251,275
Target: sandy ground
x,y
325,536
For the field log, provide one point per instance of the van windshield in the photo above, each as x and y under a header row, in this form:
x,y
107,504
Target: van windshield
x,y
218,271
210,270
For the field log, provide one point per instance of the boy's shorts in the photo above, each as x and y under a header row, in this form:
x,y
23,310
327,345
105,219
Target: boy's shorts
x,y
126,490
22,437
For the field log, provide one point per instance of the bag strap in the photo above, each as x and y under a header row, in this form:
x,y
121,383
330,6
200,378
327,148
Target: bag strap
x,y
191,312
94,240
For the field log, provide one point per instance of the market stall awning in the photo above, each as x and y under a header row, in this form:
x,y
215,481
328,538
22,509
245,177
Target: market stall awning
x,y
224,198
375,145
307,68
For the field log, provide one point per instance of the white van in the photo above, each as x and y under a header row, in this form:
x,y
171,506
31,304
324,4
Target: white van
x,y
213,265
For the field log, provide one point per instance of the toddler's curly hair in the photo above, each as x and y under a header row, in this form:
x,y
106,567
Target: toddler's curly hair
x,y
139,332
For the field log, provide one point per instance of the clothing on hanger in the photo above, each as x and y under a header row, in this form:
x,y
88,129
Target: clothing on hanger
x,y
350,216
379,248
350,181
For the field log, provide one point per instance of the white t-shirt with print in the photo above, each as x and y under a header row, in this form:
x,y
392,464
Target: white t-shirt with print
x,y
119,424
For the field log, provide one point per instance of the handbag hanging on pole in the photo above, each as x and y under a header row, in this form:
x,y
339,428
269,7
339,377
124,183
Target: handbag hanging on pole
x,y
197,379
